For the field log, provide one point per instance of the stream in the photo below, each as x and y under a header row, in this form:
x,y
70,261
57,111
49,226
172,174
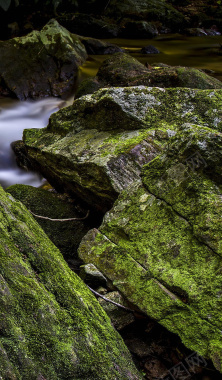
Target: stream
x,y
15,116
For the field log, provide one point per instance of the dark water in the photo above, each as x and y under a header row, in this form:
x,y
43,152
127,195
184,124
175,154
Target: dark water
x,y
199,52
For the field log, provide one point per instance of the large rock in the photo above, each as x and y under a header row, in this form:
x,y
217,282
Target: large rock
x,y
51,326
42,63
97,147
161,242
124,70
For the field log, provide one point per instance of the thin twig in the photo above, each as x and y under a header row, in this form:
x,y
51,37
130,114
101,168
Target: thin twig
x,y
114,303
59,220
106,5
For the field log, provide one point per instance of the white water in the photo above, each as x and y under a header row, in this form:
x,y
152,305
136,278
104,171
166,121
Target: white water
x,y
14,118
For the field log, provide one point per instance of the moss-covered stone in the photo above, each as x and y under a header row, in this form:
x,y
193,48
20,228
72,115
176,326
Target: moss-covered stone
x,y
51,326
42,63
161,242
123,70
96,147
65,235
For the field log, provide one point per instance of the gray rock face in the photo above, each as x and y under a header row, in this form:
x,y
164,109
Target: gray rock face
x,y
42,63
97,147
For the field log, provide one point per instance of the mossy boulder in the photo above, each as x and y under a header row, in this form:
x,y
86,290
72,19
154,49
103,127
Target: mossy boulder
x,y
42,63
97,147
51,325
124,70
161,242
65,235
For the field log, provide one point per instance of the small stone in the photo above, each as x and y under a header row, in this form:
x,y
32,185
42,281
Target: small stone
x,y
92,276
150,49
119,317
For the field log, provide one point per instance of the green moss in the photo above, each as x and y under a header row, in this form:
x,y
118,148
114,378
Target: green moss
x,y
51,325
161,242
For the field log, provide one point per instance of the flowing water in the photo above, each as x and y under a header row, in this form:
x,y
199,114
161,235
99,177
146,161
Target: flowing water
x,y
199,52
14,118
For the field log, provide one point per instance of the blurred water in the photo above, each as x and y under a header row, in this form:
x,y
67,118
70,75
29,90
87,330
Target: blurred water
x,y
14,118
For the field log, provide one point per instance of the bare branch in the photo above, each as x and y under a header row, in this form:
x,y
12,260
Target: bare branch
x,y
114,303
59,220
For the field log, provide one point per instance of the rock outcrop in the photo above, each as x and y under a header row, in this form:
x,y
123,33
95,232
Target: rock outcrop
x,y
42,63
51,326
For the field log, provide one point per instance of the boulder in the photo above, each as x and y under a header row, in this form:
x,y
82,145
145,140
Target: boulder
x,y
123,70
52,327
161,243
65,235
42,63
97,147
95,46
149,49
